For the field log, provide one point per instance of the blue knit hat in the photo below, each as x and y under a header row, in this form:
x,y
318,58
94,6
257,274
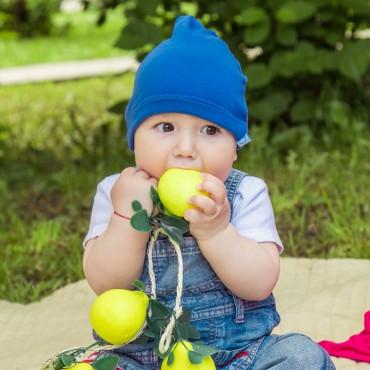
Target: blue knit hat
x,y
193,72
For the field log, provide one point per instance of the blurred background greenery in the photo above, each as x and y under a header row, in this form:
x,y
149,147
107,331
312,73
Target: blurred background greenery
x,y
308,94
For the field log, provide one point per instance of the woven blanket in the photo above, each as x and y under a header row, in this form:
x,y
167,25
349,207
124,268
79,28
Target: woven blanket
x,y
325,299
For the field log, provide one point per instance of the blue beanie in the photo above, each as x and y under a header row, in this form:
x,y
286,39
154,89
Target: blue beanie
x,y
193,72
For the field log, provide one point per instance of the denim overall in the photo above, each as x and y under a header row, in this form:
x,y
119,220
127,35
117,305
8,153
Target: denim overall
x,y
236,326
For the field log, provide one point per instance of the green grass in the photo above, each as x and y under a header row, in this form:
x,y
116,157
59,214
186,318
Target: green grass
x,y
81,40
57,141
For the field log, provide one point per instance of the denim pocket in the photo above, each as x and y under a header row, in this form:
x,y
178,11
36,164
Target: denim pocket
x,y
209,330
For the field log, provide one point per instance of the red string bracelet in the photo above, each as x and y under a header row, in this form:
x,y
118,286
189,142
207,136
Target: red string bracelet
x,y
116,213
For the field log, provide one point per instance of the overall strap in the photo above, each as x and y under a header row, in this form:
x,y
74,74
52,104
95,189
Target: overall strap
x,y
232,183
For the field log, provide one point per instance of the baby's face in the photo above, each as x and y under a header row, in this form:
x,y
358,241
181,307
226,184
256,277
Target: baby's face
x,y
176,140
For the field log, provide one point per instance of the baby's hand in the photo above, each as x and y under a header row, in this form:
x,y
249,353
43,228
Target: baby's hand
x,y
132,184
212,214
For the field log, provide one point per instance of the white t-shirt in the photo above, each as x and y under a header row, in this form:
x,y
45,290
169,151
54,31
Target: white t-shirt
x,y
253,215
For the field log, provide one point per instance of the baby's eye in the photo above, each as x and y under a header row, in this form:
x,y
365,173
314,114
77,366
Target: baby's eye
x,y
211,130
165,126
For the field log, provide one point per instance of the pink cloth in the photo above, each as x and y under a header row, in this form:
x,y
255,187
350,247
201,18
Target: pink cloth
x,y
357,347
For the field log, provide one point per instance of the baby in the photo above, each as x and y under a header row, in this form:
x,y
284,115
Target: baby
x,y
188,110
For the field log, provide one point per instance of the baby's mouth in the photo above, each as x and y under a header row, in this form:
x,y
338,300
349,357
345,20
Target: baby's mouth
x,y
186,167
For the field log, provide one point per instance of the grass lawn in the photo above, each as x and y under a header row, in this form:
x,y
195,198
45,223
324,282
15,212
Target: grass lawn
x,y
57,141
82,40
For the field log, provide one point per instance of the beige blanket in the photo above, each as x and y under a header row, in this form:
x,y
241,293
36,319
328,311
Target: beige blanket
x,y
325,299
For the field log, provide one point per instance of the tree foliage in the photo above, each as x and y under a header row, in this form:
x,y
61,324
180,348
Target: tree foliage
x,y
26,18
303,59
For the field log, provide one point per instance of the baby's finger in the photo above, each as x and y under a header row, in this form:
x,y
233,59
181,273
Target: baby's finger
x,y
154,181
128,171
193,215
204,203
214,187
142,173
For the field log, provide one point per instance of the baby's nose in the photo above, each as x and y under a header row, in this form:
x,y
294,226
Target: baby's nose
x,y
185,146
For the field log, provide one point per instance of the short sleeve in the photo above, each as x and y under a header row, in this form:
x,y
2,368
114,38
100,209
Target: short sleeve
x,y
253,215
101,210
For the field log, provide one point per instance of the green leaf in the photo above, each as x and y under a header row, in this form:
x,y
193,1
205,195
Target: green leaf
x,y
286,35
186,315
159,354
219,7
332,37
186,331
162,209
156,200
295,11
174,234
170,358
188,8
354,59
67,360
193,332
101,342
182,331
303,110
58,363
348,66
174,227
195,357
339,113
327,59
137,33
203,349
136,205
256,34
159,310
148,7
252,15
142,339
359,7
259,75
139,285
175,222
155,325
271,105
149,333
304,58
140,221
307,32
106,363
325,15
155,197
